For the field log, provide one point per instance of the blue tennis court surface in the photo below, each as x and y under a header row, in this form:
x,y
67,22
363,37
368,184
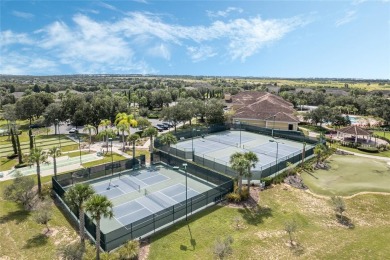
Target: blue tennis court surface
x,y
127,183
153,202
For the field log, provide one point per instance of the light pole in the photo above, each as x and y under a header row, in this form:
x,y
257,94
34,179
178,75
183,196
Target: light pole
x,y
277,153
185,171
112,160
273,127
238,122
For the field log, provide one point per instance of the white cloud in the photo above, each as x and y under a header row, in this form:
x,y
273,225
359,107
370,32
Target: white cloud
x,y
161,51
16,64
23,15
91,46
108,6
348,17
8,37
200,53
224,13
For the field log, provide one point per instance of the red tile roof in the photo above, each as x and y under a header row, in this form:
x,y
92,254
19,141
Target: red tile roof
x,y
264,106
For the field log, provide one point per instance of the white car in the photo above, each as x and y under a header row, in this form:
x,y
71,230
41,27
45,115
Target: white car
x,y
73,131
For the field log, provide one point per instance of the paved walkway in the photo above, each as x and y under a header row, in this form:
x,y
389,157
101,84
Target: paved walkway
x,y
66,163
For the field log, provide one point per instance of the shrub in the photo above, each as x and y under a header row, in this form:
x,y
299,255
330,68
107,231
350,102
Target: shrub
x,y
223,248
368,149
244,193
233,197
267,181
70,251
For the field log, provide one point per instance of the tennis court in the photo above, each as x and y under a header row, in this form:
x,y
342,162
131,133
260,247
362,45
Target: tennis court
x,y
218,147
137,194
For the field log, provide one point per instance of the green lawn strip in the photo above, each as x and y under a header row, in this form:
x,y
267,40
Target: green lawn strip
x,y
106,159
381,154
7,164
349,175
25,147
263,235
23,238
75,154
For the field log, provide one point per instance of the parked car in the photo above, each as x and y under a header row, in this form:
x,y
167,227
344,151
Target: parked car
x,y
163,126
169,125
159,128
73,131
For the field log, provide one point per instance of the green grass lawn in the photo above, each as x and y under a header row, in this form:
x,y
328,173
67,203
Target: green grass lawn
x,y
380,154
349,175
23,238
106,159
76,153
263,237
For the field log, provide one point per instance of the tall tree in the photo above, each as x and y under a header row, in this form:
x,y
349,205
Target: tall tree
x,y
128,119
168,139
77,196
20,155
150,132
37,156
133,138
319,152
122,128
89,129
253,160
54,152
105,123
240,164
13,141
99,206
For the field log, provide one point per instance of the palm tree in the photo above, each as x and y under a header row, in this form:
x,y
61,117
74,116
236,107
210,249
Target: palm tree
x,y
105,123
126,118
133,138
76,196
239,163
253,160
107,133
89,129
99,206
150,132
54,152
319,152
168,139
37,156
123,127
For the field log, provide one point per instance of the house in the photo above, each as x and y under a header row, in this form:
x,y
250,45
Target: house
x,y
264,109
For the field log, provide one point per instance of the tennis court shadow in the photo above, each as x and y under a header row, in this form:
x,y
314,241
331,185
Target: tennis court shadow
x,y
36,241
255,215
18,216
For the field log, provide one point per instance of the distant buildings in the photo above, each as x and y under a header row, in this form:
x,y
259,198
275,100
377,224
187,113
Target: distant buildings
x,y
263,109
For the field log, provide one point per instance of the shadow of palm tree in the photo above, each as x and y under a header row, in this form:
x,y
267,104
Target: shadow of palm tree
x,y
36,241
255,215
18,216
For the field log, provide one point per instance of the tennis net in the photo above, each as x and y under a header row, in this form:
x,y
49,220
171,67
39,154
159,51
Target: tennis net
x,y
257,149
130,183
219,140
156,199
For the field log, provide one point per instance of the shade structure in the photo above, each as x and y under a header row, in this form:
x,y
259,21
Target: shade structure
x,y
355,131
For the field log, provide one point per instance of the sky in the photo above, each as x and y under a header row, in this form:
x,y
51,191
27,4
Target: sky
x,y
294,39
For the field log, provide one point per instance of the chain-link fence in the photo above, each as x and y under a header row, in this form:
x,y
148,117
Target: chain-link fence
x,y
153,222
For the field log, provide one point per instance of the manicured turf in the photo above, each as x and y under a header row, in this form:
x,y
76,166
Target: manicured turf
x,y
348,175
263,237
23,238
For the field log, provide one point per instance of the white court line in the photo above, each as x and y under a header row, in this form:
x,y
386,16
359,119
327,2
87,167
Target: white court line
x,y
167,196
157,175
131,212
113,197
128,177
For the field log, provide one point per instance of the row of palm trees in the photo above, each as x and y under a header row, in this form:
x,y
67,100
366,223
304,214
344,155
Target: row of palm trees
x,y
82,198
242,163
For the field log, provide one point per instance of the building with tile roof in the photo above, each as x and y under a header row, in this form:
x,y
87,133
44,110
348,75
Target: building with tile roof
x,y
264,109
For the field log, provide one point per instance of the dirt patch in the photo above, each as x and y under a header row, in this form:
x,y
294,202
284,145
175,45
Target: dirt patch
x,y
270,234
